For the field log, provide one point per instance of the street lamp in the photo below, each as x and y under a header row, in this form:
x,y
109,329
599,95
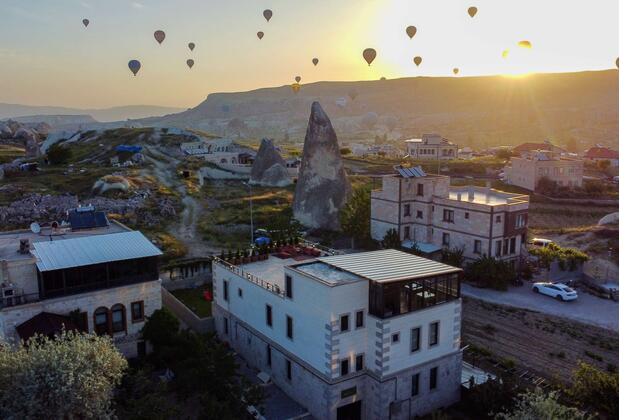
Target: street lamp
x,y
251,213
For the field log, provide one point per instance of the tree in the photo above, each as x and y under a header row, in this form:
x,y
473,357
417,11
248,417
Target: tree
x,y
492,396
391,240
490,272
355,216
57,154
345,151
595,388
161,329
453,256
70,376
539,406
504,154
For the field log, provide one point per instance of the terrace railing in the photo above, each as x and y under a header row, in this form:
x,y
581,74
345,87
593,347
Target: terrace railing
x,y
273,288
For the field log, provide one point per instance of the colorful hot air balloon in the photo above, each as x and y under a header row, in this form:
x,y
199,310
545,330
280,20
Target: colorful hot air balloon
x,y
159,36
525,44
456,70
295,87
260,34
190,63
315,61
411,31
298,79
191,46
417,61
369,54
135,66
472,11
505,53
268,14
86,22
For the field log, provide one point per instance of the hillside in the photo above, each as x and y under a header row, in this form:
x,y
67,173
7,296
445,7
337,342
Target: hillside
x,y
478,111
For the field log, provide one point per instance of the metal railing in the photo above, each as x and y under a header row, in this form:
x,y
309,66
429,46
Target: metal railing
x,y
326,250
273,288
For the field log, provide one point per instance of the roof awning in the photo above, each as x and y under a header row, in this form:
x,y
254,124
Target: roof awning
x,y
45,323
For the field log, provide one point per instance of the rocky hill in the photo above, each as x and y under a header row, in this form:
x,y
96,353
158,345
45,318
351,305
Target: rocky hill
x,y
477,111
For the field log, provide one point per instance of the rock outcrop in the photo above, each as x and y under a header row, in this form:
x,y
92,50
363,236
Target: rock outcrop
x,y
269,168
31,140
323,187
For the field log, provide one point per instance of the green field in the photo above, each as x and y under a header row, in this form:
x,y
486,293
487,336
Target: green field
x,y
194,300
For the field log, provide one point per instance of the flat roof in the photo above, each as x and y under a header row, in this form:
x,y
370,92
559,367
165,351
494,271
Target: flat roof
x,y
389,265
487,196
77,252
328,273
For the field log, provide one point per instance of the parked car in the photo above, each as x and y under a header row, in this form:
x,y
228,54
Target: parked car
x,y
558,291
541,242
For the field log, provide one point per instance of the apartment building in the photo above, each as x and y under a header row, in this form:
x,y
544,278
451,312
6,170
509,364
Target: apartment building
x,y
101,279
431,147
426,210
372,335
529,149
526,172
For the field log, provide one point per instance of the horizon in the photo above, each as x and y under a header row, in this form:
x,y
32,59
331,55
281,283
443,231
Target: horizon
x,y
59,62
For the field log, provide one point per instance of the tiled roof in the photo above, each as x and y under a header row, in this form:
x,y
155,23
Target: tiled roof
x,y
601,153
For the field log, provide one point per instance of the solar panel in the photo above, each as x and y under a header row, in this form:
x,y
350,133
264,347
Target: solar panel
x,y
87,219
415,172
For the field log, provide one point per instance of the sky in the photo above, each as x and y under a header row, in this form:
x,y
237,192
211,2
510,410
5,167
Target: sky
x,y
47,57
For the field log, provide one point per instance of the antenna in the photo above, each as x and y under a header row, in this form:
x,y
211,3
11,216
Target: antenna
x,y
35,227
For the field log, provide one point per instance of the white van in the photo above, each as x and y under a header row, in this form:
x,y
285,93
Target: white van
x,y
541,242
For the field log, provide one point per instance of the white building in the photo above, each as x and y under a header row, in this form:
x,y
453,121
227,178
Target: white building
x,y
372,335
425,209
526,172
102,280
431,147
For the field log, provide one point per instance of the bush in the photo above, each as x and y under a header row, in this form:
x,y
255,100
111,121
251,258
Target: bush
x,y
595,388
57,154
392,240
538,405
490,272
493,396
453,257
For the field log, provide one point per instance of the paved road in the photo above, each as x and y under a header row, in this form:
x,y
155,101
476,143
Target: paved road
x,y
588,308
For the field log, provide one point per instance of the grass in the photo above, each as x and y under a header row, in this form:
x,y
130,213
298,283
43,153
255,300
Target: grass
x,y
9,153
194,300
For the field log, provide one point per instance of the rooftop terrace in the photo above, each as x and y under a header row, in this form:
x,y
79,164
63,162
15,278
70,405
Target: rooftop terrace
x,y
486,196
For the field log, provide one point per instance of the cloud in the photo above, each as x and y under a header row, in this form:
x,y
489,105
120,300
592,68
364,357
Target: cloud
x,y
137,5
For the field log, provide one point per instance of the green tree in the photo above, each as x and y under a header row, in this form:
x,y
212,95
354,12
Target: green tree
x,y
537,405
391,240
69,377
595,388
355,216
57,154
490,272
453,256
161,329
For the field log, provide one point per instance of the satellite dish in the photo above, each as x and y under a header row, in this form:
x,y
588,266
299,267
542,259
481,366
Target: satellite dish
x,y
35,227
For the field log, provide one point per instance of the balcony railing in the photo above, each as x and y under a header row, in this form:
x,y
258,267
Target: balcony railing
x,y
273,288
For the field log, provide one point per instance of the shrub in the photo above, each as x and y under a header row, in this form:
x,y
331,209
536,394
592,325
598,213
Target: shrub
x,y
392,240
57,154
595,388
490,272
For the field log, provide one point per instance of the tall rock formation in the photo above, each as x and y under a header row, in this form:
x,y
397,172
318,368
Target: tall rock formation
x,y
323,188
269,168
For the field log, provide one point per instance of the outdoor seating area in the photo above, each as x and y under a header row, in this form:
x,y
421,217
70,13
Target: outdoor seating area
x,y
298,252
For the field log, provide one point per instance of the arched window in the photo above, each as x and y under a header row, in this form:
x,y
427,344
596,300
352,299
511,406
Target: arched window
x,y
224,161
119,323
102,319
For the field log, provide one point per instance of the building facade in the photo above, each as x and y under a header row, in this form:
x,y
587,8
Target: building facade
x,y
103,280
526,172
427,210
600,154
371,335
431,147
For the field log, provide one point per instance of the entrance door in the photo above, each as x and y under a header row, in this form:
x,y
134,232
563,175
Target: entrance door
x,y
350,412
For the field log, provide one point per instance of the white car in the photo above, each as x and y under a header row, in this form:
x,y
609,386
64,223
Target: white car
x,y
558,291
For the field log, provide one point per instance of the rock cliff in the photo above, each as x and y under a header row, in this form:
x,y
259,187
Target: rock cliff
x,y
269,168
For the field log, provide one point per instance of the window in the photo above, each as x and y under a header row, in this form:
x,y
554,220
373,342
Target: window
x,y
497,248
505,247
395,338
521,221
407,232
407,210
289,327
288,369
359,319
420,190
433,377
415,339
269,357
448,216
226,327
433,339
512,245
118,318
240,293
419,214
359,362
415,385
498,219
466,215
269,314
343,323
101,321
137,311
225,290
446,239
477,247
344,367
289,287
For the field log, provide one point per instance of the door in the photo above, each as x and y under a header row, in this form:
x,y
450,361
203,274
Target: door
x,y
350,412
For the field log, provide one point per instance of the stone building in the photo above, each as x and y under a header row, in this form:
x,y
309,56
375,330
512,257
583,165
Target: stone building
x,y
431,147
526,172
372,335
424,209
96,279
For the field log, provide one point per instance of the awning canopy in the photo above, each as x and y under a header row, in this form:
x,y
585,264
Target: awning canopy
x,y
45,323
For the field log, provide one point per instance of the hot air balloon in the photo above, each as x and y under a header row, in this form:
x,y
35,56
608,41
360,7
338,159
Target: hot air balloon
x,y
268,14
134,66
472,11
369,54
617,63
159,36
190,63
353,94
260,34
315,61
525,44
411,31
298,79
417,61
86,22
383,78
505,53
456,70
191,46
295,87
